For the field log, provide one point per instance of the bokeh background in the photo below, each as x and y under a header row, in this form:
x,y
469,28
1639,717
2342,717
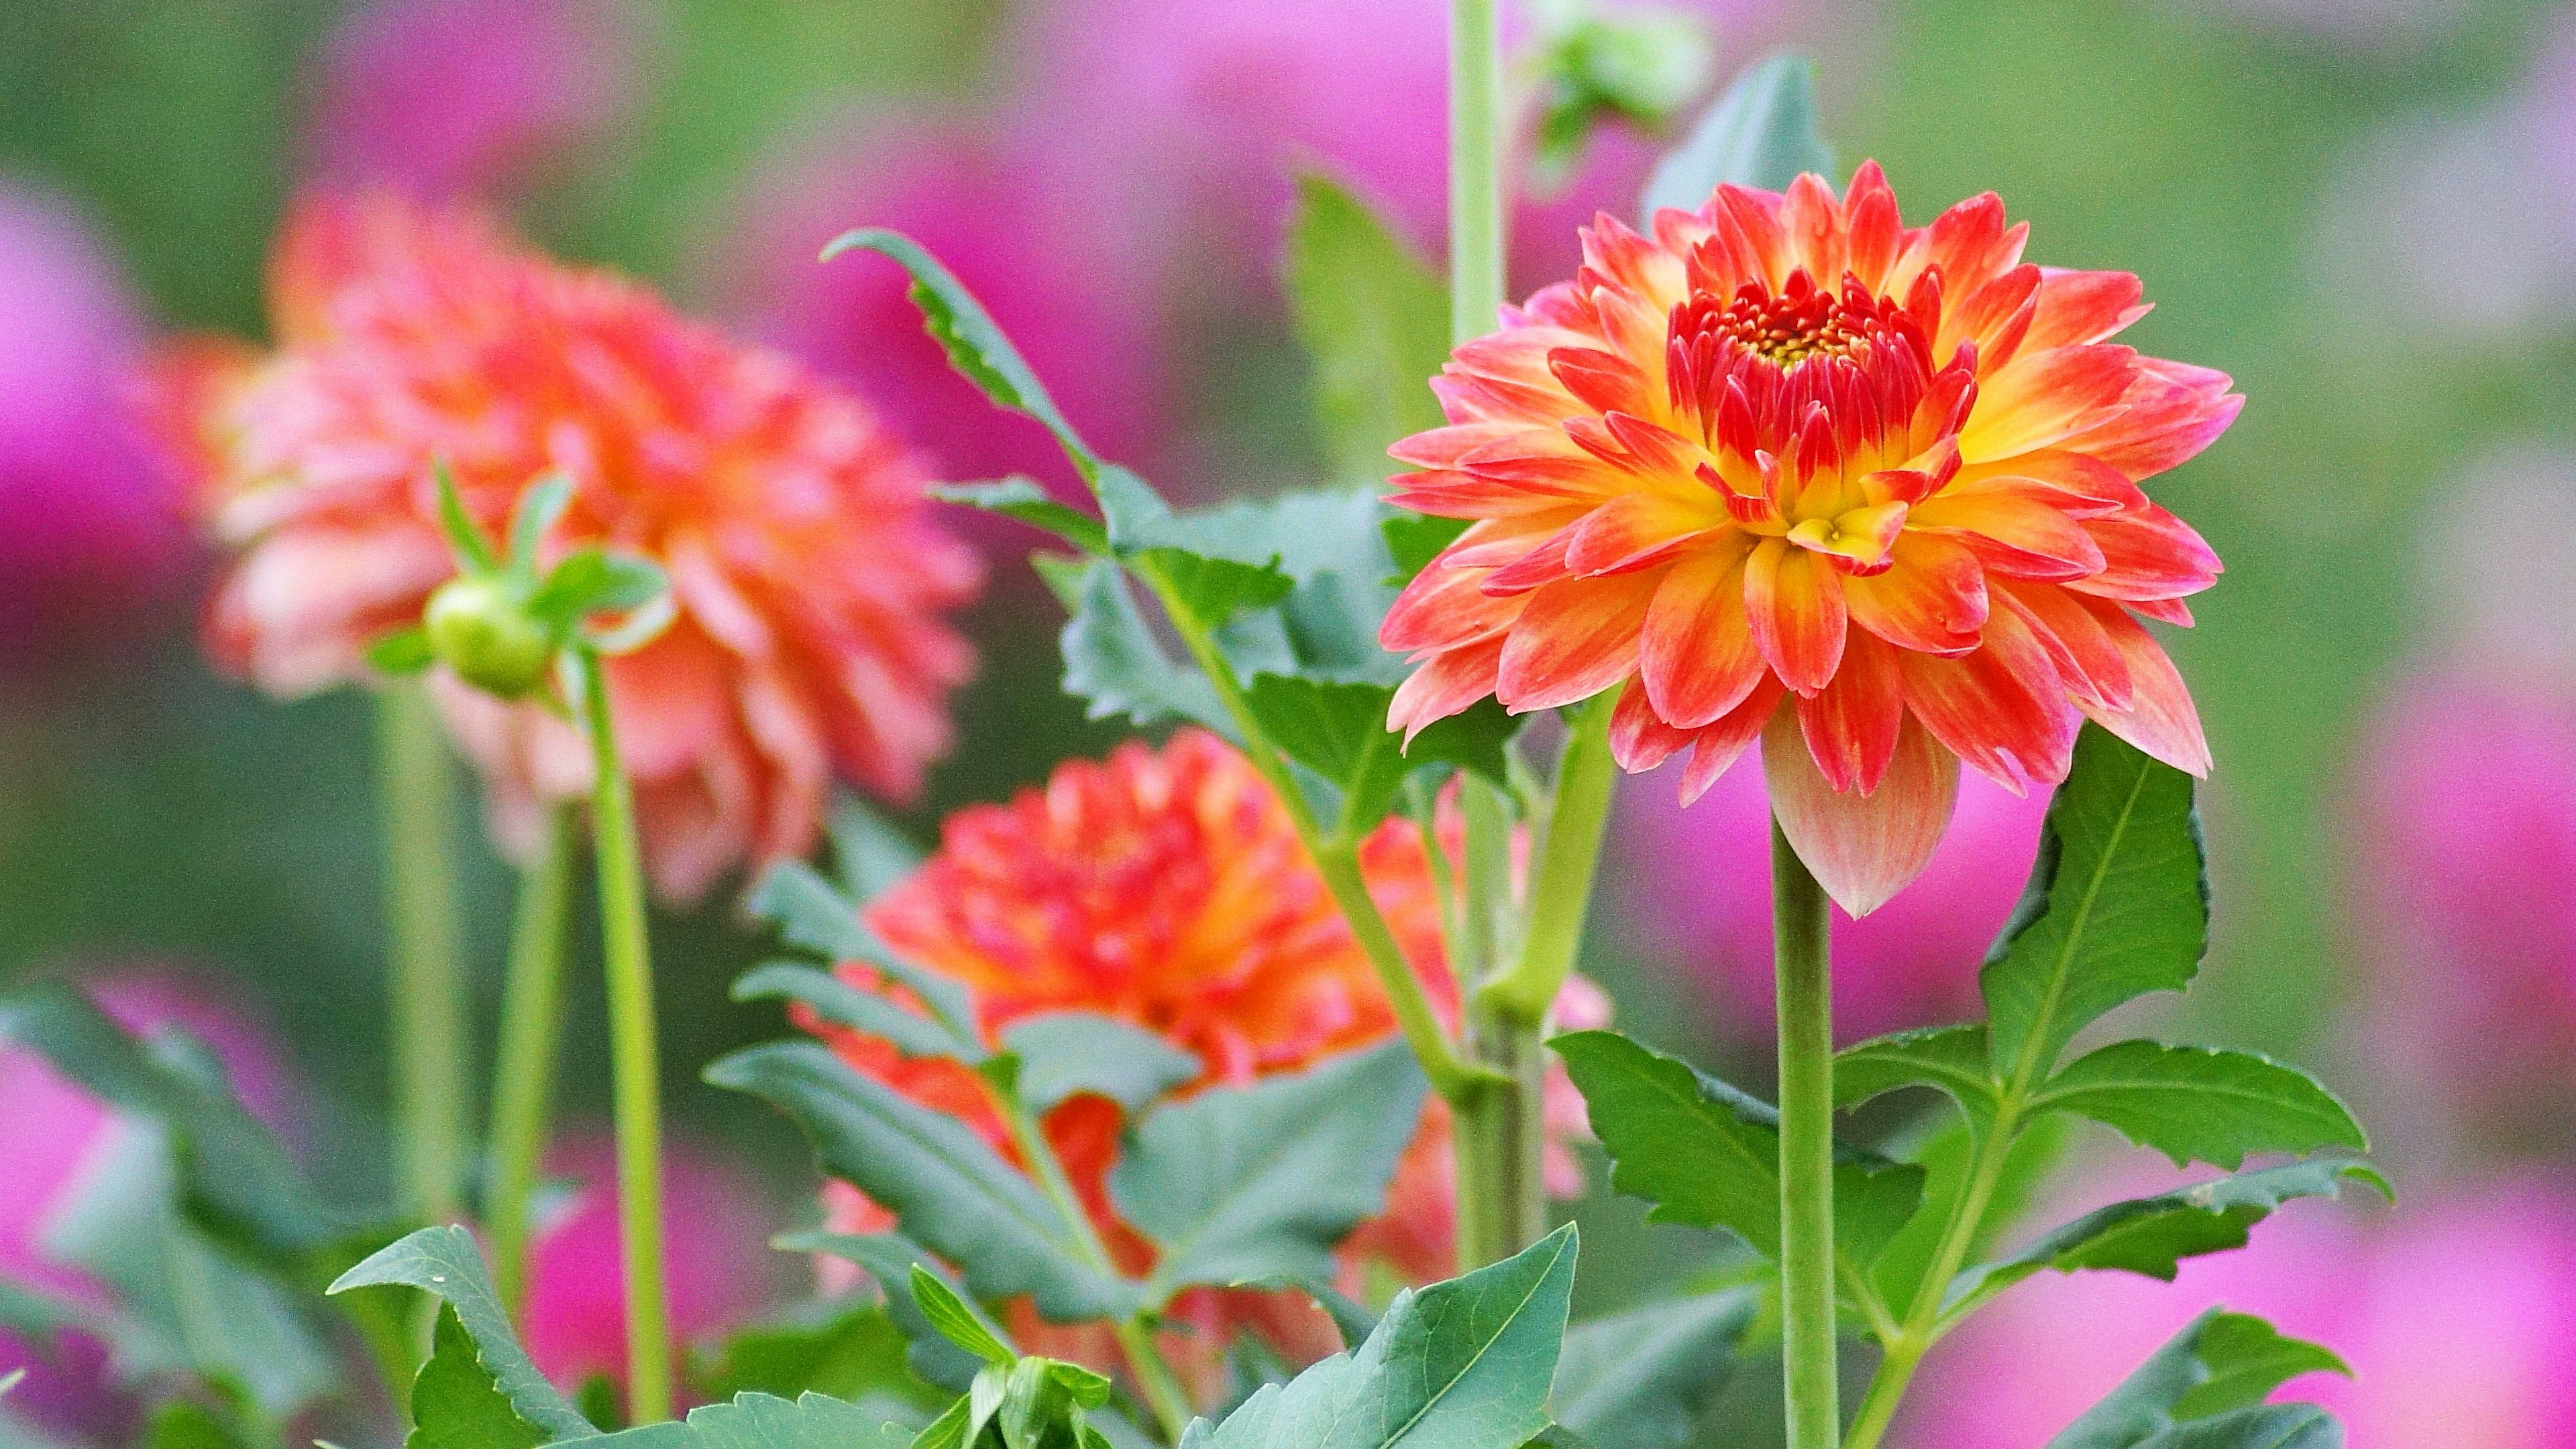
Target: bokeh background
x,y
2365,210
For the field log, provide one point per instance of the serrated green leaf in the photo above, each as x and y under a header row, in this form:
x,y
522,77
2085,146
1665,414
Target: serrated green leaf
x,y
1951,1059
404,651
810,913
1947,1157
2117,906
1707,1155
2152,1235
455,1402
2202,1104
1212,590
2216,1366
1464,1364
948,1189
1339,732
444,1261
850,1350
870,854
843,1004
1023,499
1375,320
1113,661
1246,1182
888,1259
1761,132
1067,1052
761,1421
1639,1379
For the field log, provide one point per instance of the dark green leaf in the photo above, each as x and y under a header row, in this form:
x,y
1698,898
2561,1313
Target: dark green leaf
x,y
2201,1104
1953,1059
1413,540
444,1261
2268,1426
949,1190
1762,133
1708,1156
1339,732
889,1259
871,855
2218,1365
404,651
1067,1052
457,1404
1113,661
843,1004
1247,1182
1947,1158
1375,320
760,1421
1639,1379
810,913
2152,1235
849,1350
1464,1364
1211,590
2117,906
1022,498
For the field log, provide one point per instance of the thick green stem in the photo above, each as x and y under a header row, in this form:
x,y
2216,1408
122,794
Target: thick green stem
x,y
1801,938
634,1059
427,984
1561,893
531,1035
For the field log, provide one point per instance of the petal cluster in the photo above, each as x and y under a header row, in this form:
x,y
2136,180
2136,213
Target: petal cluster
x,y
1166,887
1790,470
810,576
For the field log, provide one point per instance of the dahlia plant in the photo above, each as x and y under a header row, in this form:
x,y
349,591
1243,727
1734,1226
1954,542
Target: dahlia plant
x,y
1215,1095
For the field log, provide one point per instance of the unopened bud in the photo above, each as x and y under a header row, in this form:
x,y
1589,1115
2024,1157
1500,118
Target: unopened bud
x,y
481,628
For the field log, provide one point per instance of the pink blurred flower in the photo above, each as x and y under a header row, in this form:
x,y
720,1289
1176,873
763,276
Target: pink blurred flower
x,y
56,1134
1693,886
2457,1316
2467,814
93,528
449,97
1039,258
715,1242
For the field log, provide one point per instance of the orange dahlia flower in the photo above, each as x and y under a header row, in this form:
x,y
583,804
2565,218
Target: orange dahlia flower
x,y
1166,888
1790,469
809,576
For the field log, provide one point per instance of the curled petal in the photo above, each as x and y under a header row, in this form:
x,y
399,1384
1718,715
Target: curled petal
x,y
1445,684
1576,639
1793,603
1863,849
1443,608
1697,655
2014,531
2169,414
2079,307
1638,740
2149,554
2093,665
1932,600
1602,381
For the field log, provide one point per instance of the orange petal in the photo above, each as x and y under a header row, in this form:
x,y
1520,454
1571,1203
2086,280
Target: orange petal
x,y
1715,748
2160,718
1638,529
2002,709
1793,605
1870,208
1933,600
1850,727
1863,849
2045,397
1638,740
1443,608
2093,666
1445,684
2016,531
2169,414
2077,307
2149,554
1576,639
1697,653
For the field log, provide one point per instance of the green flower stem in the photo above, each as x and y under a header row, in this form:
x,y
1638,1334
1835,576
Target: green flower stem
x,y
427,985
634,1058
1163,1392
1475,169
1800,941
1561,895
531,1035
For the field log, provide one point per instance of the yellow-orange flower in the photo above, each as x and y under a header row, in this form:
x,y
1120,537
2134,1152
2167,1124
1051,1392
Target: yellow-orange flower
x,y
1790,469
809,575
1166,888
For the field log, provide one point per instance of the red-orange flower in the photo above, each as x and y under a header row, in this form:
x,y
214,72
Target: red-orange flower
x,y
1166,888
809,575
1790,469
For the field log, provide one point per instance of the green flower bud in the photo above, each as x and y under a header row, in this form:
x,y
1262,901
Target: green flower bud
x,y
480,627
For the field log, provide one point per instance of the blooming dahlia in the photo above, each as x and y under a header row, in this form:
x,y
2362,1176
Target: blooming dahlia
x,y
1166,888
1790,469
809,576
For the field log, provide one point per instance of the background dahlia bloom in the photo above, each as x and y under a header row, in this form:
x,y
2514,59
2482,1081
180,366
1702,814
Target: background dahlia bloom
x,y
1787,469
1166,888
809,574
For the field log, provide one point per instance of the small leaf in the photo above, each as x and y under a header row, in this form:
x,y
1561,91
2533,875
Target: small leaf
x,y
1063,1053
2247,1359
1953,1059
1112,660
2117,906
1708,1156
1374,318
1212,590
2218,1365
2201,1104
940,1180
810,913
464,536
1339,732
889,1259
1761,133
402,652
1023,499
593,580
540,509
1246,1182
761,1421
955,1321
1464,1364
444,1261
1639,1379
843,1004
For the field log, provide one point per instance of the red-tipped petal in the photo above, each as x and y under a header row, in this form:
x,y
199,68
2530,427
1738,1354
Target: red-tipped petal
x,y
1445,684
2160,718
1443,608
2002,709
1851,726
1576,639
1638,740
1602,381
2020,532
2095,670
2170,414
1933,600
1637,530
1862,849
1793,604
1719,745
2044,398
2077,307
2149,554
1697,654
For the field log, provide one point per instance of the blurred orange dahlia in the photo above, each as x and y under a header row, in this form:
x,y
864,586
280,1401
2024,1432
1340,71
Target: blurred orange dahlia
x,y
809,574
1165,887
1693,468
